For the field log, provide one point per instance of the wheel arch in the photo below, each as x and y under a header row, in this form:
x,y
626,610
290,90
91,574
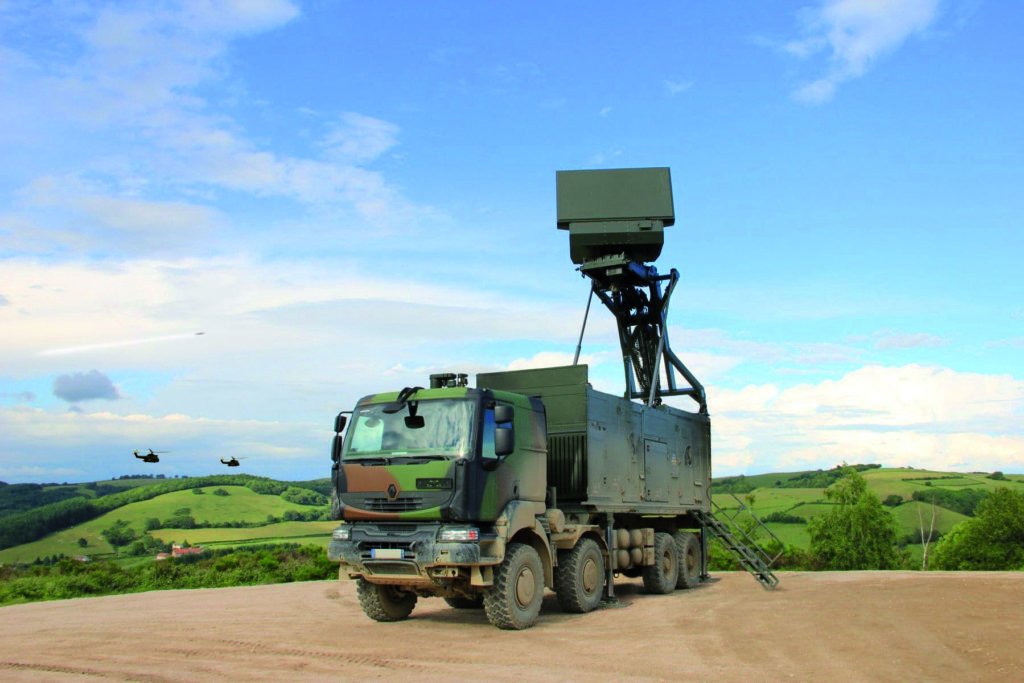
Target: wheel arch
x,y
531,538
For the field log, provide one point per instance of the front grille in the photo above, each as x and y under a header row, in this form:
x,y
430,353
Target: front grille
x,y
390,545
397,528
392,568
398,505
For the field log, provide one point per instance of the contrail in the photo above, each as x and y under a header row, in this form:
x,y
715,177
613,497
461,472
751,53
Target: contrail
x,y
114,345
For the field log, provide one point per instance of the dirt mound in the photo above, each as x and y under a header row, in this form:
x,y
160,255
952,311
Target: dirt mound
x,y
876,626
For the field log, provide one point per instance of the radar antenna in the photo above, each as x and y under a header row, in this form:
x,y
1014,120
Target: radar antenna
x,y
616,220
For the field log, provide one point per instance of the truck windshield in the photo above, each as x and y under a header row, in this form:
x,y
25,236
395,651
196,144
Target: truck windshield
x,y
446,431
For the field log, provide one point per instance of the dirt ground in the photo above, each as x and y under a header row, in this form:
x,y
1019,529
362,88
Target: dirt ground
x,y
856,626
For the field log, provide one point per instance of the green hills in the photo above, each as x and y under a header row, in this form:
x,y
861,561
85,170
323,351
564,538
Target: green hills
x,y
135,517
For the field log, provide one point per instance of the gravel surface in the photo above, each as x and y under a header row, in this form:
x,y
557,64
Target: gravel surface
x,y
832,626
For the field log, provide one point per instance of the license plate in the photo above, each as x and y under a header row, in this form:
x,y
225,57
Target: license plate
x,y
387,553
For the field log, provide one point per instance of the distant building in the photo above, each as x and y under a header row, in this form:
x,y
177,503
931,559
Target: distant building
x,y
82,558
177,549
161,556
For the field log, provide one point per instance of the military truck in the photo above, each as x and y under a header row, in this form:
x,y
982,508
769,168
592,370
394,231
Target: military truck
x,y
532,480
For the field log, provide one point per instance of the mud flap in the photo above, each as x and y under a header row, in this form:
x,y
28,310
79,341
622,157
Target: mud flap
x,y
481,575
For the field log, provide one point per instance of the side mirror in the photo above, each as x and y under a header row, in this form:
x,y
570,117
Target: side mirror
x,y
339,423
503,414
504,441
336,448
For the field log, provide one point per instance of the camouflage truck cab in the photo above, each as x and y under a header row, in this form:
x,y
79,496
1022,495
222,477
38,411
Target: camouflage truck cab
x,y
433,482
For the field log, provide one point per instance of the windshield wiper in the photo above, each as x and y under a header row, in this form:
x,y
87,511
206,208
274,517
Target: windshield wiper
x,y
367,461
419,458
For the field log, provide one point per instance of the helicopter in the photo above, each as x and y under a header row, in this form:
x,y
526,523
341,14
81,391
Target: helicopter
x,y
151,456
233,462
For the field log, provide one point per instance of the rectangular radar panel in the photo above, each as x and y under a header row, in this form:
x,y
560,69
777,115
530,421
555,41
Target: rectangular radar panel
x,y
615,212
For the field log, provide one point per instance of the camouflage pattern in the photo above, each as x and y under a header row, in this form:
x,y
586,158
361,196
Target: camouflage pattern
x,y
456,489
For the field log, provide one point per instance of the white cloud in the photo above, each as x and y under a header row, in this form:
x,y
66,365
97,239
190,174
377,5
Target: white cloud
x,y
855,34
103,442
548,359
128,76
675,87
906,340
910,415
357,138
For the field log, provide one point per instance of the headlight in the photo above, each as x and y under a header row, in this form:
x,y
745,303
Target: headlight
x,y
342,533
458,535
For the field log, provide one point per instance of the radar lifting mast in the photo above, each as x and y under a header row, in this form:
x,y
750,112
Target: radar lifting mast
x,y
616,220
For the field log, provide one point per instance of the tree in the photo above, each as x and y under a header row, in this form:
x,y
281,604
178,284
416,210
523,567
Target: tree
x,y
931,533
120,534
858,533
992,540
82,543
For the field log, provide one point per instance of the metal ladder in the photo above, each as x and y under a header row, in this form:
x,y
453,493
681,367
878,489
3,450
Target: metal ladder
x,y
740,543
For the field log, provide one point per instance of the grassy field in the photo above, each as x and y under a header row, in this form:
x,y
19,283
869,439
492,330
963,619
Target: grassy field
x,y
910,523
241,505
808,503
905,481
318,533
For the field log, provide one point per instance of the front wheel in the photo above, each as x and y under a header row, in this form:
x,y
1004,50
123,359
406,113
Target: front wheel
x,y
384,603
512,603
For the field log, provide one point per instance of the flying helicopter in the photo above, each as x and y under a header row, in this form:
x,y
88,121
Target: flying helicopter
x,y
151,456
233,462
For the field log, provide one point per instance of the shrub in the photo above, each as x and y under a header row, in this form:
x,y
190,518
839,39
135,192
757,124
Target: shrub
x,y
992,540
784,518
858,533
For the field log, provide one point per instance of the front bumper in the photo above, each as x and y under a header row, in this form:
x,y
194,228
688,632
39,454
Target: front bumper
x,y
405,550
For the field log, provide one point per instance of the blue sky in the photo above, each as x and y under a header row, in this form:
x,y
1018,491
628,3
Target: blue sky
x,y
345,197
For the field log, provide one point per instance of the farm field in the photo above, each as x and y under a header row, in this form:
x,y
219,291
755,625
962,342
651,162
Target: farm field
x,y
241,505
316,533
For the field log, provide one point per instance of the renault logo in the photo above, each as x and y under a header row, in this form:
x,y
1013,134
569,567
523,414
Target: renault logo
x,y
392,491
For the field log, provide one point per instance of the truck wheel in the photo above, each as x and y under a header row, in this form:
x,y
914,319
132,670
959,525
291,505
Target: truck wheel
x,y
579,577
476,602
660,577
384,603
513,602
688,552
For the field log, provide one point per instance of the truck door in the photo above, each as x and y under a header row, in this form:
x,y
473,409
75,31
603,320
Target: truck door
x,y
656,474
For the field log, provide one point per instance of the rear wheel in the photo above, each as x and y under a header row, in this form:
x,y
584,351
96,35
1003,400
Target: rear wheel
x,y
384,603
660,577
579,577
476,602
513,602
688,551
